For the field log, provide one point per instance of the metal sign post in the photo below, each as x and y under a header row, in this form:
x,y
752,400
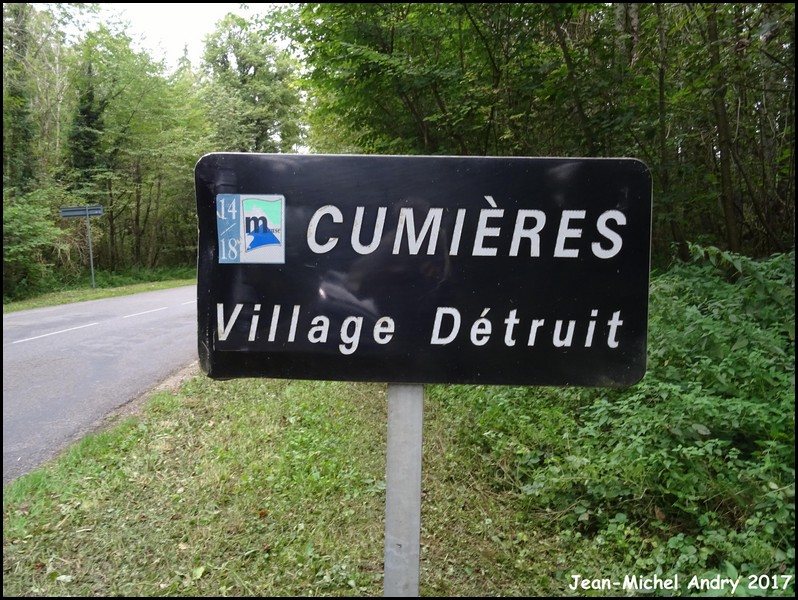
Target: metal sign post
x,y
403,490
84,211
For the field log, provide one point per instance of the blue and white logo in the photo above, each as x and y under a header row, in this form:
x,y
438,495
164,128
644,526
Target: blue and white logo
x,y
251,228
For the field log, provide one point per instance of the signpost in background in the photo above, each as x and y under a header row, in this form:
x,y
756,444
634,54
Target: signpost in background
x,y
413,270
84,211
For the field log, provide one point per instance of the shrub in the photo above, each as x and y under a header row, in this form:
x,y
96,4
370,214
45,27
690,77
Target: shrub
x,y
692,467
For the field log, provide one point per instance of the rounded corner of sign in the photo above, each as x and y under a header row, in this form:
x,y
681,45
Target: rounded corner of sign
x,y
209,160
202,160
213,373
641,164
635,379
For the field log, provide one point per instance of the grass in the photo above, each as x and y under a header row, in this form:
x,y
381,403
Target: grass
x,y
256,487
82,295
63,290
260,488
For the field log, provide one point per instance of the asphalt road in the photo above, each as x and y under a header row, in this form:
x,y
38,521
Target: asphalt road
x,y
67,367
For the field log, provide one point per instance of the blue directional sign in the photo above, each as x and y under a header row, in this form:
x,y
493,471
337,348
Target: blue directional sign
x,y
81,211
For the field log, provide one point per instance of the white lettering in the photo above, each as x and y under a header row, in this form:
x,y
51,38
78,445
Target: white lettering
x,y
481,330
533,331
253,328
436,329
320,327
612,236
222,329
350,340
533,235
446,327
614,323
383,330
511,321
376,236
273,324
590,328
484,231
560,251
583,583
458,231
294,319
557,339
713,583
488,234
337,217
432,225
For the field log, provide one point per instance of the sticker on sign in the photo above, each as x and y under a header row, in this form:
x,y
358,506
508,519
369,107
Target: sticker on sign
x,y
251,228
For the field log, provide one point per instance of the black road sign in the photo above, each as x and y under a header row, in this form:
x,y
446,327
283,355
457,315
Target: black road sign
x,y
81,211
522,271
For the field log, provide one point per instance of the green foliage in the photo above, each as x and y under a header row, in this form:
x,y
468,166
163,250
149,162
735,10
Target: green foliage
x,y
62,287
252,96
18,127
87,128
572,80
692,468
138,275
67,292
29,237
134,140
90,112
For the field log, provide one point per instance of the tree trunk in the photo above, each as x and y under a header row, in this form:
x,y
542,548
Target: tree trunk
x,y
137,229
675,216
152,255
572,82
724,132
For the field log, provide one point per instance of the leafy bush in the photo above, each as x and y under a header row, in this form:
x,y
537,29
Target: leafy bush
x,y
694,467
29,237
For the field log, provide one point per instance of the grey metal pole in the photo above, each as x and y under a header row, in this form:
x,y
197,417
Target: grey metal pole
x,y
403,489
91,252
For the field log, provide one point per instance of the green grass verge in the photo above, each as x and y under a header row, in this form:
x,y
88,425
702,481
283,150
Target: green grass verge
x,y
82,295
260,488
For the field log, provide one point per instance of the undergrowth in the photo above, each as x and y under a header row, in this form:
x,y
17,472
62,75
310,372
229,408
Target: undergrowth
x,y
690,471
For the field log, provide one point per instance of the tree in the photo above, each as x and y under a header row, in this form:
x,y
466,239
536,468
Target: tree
x,y
134,139
18,128
703,93
30,238
84,142
252,81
